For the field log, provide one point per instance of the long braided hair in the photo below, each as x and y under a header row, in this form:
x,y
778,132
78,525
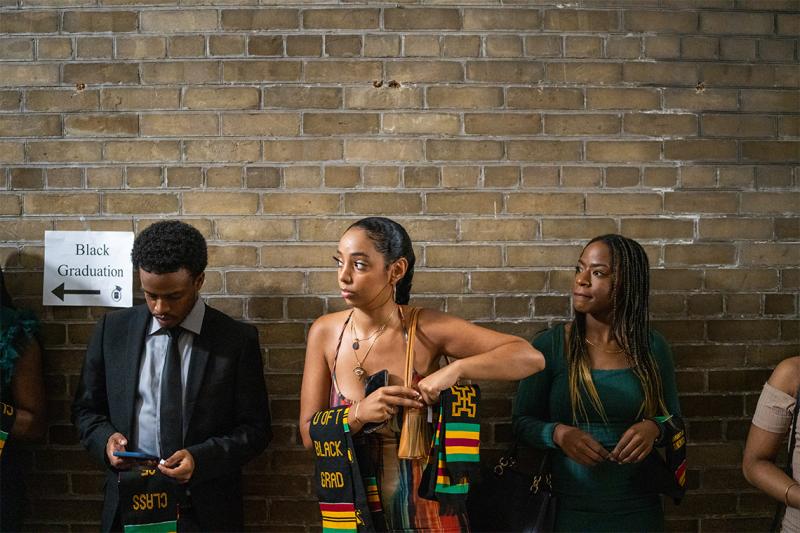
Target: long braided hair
x,y
630,327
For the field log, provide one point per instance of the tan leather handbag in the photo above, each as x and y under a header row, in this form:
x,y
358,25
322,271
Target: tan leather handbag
x,y
415,435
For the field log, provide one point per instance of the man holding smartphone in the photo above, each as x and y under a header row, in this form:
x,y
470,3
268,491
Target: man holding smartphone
x,y
177,380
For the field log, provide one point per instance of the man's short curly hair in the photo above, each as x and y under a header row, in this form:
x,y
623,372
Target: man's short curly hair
x,y
168,246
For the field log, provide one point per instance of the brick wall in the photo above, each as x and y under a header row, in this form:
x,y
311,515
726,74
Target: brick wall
x,y
503,136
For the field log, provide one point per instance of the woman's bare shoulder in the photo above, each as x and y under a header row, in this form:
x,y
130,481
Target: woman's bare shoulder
x,y
786,376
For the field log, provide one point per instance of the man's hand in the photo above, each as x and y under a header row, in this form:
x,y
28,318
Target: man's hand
x,y
117,443
179,466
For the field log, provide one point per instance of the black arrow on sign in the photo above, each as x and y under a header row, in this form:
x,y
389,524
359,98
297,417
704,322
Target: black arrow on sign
x,y
60,291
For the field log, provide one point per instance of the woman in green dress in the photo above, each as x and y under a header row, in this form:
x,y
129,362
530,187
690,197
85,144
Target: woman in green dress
x,y
607,376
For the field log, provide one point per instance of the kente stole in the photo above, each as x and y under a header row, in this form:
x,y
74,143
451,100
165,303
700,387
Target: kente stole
x,y
455,454
347,488
7,417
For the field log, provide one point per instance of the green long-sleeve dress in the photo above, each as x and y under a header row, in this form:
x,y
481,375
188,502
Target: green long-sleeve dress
x,y
608,496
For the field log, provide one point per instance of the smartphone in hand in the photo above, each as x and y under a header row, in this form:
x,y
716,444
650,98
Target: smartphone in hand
x,y
136,456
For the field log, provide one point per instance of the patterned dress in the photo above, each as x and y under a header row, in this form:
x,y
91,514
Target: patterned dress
x,y
398,479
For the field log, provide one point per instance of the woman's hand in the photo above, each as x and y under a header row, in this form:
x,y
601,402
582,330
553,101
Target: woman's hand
x,y
579,445
385,402
444,378
636,443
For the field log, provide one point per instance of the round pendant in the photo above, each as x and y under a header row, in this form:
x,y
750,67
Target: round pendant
x,y
356,345
359,371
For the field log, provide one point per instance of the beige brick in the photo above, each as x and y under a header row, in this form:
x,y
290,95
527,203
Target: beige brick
x,y
545,204
493,230
261,71
661,22
657,228
179,125
577,228
457,150
595,73
543,45
787,228
657,124
622,177
502,123
227,256
421,19
296,256
194,20
738,23
582,177
10,204
27,75
623,151
788,24
340,123
454,256
16,49
256,229
465,97
142,151
703,100
64,151
138,203
224,177
623,47
770,101
26,178
544,98
100,73
701,202
771,202
770,254
135,99
258,282
663,47
57,204
343,45
141,47
383,150
421,123
741,279
10,100
381,45
104,178
29,125
728,229
342,177
100,21
424,71
789,127
580,20
220,203
422,46
738,126
185,46
583,47
671,74
421,177
260,19
699,254
323,229
302,177
303,97
697,177
214,150
184,177
700,150
581,124
54,48
377,203
504,46
265,45
479,203
501,176
349,18
623,204
266,124
23,229
94,47
507,281
775,50
460,177
501,19
65,178
737,49
263,177
505,71
543,150
332,71
221,98
185,72
29,22
87,125
383,98
699,47
542,255
461,46
729,75
303,150
300,203
226,45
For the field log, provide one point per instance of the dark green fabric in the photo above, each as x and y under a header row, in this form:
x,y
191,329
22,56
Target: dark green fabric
x,y
605,497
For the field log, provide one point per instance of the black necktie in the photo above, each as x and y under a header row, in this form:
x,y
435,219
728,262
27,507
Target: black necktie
x,y
171,415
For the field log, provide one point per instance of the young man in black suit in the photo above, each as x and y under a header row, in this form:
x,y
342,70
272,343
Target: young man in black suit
x,y
176,379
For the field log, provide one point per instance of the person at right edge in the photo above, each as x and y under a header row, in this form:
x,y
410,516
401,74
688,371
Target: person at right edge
x,y
607,376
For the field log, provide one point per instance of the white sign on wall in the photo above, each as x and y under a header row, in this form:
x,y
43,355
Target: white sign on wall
x,y
88,268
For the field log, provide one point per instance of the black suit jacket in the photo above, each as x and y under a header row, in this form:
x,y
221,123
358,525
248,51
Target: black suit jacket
x,y
227,413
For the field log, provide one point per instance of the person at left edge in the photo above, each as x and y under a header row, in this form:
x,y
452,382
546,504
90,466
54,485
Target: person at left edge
x,y
225,413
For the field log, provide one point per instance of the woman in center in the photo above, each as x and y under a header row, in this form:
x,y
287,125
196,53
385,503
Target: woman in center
x,y
375,263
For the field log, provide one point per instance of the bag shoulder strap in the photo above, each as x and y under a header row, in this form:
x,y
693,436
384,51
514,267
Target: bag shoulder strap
x,y
412,333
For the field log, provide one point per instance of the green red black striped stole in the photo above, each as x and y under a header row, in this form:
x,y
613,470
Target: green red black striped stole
x,y
455,454
7,416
